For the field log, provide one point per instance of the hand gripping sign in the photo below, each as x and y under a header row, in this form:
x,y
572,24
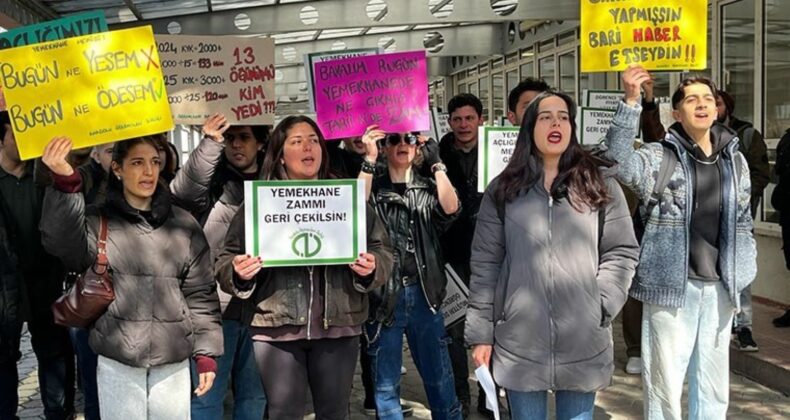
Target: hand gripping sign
x,y
295,223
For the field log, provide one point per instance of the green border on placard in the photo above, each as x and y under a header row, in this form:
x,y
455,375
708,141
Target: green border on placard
x,y
486,130
306,261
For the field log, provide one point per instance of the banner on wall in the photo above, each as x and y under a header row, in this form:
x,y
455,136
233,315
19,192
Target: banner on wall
x,y
227,74
658,35
602,99
317,57
497,148
67,27
390,90
297,223
95,89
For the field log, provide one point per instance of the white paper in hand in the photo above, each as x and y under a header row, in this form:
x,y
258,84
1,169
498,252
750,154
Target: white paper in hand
x,y
487,382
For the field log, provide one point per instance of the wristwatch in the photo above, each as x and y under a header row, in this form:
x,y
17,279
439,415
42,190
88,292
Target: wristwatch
x,y
439,166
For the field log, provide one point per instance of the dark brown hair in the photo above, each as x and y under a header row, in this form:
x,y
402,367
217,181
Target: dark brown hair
x,y
680,92
121,150
579,171
272,165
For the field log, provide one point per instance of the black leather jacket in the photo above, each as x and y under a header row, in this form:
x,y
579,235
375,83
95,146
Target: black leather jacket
x,y
418,206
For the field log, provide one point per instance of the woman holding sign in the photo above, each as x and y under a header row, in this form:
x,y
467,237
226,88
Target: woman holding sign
x,y
552,258
166,308
416,211
307,320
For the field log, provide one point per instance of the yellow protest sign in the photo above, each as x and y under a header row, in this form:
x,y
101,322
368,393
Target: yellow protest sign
x,y
656,34
94,88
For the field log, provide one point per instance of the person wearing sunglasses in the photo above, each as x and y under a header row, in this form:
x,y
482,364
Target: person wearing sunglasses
x,y
415,210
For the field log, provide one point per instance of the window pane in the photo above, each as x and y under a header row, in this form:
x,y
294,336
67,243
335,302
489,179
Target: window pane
x,y
473,89
568,74
528,70
483,95
777,86
498,82
547,70
738,56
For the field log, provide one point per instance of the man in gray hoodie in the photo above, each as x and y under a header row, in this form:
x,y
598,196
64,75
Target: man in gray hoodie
x,y
698,252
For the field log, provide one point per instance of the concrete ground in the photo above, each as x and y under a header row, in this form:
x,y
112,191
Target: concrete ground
x,y
622,400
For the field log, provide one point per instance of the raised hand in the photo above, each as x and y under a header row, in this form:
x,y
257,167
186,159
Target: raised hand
x,y
633,78
370,139
215,126
55,154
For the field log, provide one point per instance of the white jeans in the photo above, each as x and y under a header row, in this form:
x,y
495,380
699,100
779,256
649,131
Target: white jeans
x,y
157,393
693,339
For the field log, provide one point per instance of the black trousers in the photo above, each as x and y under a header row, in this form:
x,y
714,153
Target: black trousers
x,y
324,366
55,356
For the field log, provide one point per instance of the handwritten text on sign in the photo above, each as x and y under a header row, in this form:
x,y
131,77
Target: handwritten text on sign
x,y
390,90
227,74
290,223
94,88
659,35
493,157
67,27
317,57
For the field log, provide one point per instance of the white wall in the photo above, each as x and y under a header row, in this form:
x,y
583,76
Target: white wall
x,y
773,279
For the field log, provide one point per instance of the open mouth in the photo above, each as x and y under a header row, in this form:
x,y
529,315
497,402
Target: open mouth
x,y
308,161
701,115
147,184
555,137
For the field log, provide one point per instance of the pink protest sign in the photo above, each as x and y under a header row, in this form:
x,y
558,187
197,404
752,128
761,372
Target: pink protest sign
x,y
390,90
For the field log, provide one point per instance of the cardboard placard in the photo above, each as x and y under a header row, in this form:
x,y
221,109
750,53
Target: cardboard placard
x,y
390,90
317,57
296,223
493,154
227,74
95,89
457,299
602,99
658,35
67,27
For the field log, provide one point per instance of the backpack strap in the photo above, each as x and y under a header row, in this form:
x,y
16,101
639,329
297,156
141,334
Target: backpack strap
x,y
668,162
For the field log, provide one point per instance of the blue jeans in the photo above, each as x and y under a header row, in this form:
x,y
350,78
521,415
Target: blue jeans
x,y
428,345
694,340
238,364
86,368
571,405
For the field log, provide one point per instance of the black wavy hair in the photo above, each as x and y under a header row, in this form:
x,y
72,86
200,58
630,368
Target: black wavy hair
x,y
528,84
579,171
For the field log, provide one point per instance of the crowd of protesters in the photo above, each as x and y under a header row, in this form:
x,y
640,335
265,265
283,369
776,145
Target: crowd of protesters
x,y
550,253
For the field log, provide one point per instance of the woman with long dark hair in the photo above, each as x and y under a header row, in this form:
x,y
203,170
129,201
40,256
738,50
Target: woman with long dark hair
x,y
166,308
306,321
553,256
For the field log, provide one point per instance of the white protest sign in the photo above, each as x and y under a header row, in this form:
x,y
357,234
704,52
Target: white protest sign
x,y
209,74
495,146
296,223
457,299
602,99
593,125
440,125
317,57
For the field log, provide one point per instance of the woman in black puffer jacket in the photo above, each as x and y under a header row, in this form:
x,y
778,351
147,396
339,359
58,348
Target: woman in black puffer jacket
x,y
166,308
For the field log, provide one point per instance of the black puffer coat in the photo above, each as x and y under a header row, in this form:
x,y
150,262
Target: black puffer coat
x,y
10,321
418,207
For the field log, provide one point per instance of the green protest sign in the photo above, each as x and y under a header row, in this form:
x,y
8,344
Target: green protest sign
x,y
296,223
494,153
67,27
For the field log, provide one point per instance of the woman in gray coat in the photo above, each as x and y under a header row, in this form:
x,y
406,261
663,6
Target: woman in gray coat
x,y
552,258
166,308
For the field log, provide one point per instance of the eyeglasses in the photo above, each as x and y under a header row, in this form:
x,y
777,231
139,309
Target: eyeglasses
x,y
395,139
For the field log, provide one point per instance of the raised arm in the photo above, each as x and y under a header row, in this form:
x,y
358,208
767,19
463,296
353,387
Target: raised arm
x,y
191,184
64,232
635,168
370,139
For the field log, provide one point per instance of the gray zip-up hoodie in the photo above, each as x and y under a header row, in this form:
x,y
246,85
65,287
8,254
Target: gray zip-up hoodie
x,y
545,287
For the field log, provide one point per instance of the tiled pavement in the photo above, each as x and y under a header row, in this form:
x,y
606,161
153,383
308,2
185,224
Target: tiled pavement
x,y
622,400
